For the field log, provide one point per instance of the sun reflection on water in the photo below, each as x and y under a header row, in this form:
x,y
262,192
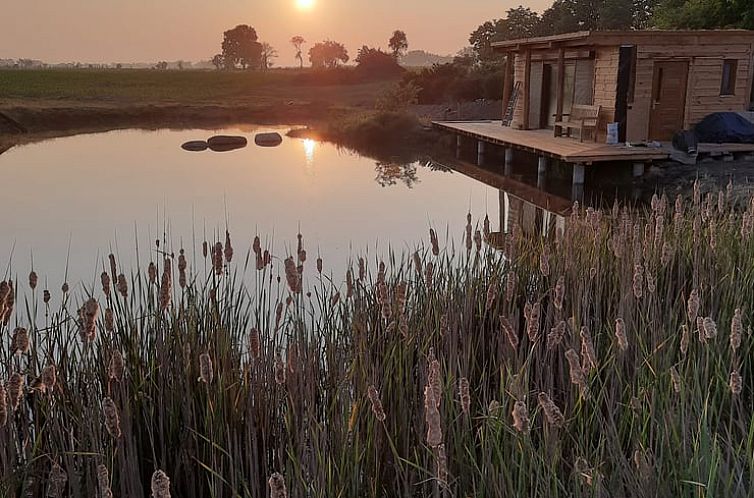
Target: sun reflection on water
x,y
309,147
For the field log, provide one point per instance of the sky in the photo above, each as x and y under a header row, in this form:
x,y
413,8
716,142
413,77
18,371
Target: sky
x,y
105,31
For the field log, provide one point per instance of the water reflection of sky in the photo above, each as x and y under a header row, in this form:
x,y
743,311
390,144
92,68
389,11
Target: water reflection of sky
x,y
114,190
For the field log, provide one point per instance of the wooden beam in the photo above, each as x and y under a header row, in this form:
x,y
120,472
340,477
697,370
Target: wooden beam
x,y
527,88
560,91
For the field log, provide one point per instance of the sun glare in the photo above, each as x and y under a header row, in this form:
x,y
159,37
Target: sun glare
x,y
305,4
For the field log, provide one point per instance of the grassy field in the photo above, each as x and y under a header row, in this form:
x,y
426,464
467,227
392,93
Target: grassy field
x,y
612,360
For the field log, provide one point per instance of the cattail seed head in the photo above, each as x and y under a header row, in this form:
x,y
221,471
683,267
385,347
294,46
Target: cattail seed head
x,y
206,374
577,374
464,394
531,313
692,306
521,417
46,296
435,243
492,289
166,287
510,333
675,379
109,320
441,465
544,263
736,382
112,420
279,371
555,337
20,341
122,285
277,486
362,269
228,248
57,479
292,275
152,272
217,258
374,398
417,262
552,412
685,338
589,356
160,485
49,377
435,381
319,265
736,330
3,405
103,482
559,294
16,390
710,328
33,280
116,367
620,334
432,418
254,343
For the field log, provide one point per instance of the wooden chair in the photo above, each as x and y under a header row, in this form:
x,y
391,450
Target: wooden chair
x,y
581,117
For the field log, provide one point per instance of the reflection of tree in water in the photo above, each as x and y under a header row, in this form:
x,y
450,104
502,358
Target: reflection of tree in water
x,y
389,173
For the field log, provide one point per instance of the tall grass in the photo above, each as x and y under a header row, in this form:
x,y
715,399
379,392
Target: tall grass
x,y
611,360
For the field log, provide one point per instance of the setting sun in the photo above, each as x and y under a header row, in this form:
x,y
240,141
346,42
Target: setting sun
x,y
305,4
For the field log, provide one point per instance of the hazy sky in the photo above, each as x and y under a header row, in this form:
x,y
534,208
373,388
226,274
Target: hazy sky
x,y
150,30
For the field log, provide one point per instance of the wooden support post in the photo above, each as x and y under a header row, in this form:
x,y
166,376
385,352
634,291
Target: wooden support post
x,y
541,171
459,142
638,170
503,211
579,174
527,88
480,146
560,91
508,161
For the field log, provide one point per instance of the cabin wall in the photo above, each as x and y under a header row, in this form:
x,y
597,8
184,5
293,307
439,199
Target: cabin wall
x,y
703,86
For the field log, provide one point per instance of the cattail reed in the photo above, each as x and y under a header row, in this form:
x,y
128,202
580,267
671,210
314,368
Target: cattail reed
x,y
620,334
417,262
206,373
468,237
552,413
589,356
279,371
710,328
103,482
510,286
152,272
494,407
217,258
441,465
109,320
88,316
112,420
362,270
277,486
486,226
464,394
520,417
205,249
492,289
736,330
532,321
292,276
577,374
434,380
638,281
478,240
432,418
46,296
57,481
555,337
300,252
429,274
278,315
228,251
735,382
113,267
122,285
166,287
335,299
374,398
559,294
254,344
435,243
685,338
675,379
49,377
20,341
509,331
160,485
544,263
182,266
33,280
319,265
349,284
116,367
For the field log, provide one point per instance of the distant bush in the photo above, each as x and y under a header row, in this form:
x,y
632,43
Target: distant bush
x,y
397,97
458,81
374,63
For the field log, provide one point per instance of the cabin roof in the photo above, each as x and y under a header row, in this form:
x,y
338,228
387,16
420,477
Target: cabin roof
x,y
617,38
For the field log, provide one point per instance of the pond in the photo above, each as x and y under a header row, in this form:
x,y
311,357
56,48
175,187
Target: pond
x,y
69,202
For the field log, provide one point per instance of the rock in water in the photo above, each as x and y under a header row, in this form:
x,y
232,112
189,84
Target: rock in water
x,y
268,139
195,146
225,143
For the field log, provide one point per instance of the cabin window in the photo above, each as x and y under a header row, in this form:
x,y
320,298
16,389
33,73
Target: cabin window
x,y
728,86
631,75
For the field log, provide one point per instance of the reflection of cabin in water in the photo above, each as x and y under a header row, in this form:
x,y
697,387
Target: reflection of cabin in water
x,y
653,83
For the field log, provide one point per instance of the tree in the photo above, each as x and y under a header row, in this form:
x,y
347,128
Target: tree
x,y
327,54
241,47
218,61
180,65
375,62
268,53
398,43
705,14
298,42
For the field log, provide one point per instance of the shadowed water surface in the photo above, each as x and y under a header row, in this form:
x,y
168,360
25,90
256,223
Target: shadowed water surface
x,y
75,199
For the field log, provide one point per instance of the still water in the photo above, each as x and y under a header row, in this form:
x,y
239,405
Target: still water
x,y
67,203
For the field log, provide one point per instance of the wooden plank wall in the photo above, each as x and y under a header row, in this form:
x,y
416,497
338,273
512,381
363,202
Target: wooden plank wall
x,y
518,76
703,89
605,86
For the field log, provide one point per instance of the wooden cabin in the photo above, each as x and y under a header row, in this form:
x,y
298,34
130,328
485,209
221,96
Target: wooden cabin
x,y
653,83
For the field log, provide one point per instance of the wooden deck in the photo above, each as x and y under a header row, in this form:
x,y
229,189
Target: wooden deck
x,y
542,142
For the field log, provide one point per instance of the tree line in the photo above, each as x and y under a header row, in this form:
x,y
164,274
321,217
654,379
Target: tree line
x,y
242,49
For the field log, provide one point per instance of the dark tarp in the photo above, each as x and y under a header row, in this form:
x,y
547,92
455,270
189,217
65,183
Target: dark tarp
x,y
725,127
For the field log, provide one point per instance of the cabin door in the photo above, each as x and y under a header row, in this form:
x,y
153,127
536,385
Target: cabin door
x,y
666,115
